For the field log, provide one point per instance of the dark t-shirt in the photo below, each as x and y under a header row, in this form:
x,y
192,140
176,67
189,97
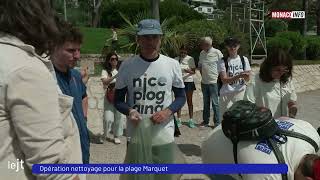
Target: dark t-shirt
x,y
71,84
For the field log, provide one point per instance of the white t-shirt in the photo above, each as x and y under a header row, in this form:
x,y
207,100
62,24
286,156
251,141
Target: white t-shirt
x,y
114,36
208,64
104,74
149,90
186,63
234,68
269,95
219,149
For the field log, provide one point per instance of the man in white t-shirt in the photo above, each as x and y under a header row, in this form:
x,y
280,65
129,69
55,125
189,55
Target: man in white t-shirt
x,y
208,59
297,153
234,78
147,80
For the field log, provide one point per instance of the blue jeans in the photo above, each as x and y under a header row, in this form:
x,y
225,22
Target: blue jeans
x,y
210,93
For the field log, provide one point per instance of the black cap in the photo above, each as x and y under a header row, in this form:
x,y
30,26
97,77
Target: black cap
x,y
231,41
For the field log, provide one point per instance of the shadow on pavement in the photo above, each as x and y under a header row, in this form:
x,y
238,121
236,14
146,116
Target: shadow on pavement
x,y
190,149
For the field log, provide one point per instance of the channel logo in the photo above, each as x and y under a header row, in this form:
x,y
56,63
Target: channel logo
x,y
288,14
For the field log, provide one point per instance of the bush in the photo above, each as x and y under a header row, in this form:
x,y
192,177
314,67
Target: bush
x,y
298,43
313,47
177,8
196,29
275,25
278,43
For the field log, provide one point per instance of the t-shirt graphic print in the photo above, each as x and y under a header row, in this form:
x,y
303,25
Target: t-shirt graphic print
x,y
234,69
149,87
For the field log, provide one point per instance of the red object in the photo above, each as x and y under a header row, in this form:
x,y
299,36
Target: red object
x,y
110,95
316,169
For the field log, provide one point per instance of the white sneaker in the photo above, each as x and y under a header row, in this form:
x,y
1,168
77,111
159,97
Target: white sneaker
x,y
117,141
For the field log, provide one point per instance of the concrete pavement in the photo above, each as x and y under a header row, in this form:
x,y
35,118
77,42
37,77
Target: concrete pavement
x,y
190,140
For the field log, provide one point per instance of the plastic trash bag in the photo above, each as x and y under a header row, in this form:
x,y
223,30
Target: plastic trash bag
x,y
141,151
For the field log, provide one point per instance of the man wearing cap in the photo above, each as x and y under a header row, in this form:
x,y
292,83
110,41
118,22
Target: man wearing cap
x,y
234,78
147,81
207,65
300,156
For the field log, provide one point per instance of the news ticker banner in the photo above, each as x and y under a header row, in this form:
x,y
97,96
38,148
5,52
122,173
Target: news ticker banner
x,y
159,168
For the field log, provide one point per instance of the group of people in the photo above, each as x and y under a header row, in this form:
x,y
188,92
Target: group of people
x,y
43,100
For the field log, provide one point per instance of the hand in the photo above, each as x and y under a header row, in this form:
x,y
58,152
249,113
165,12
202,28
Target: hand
x,y
134,116
85,74
245,76
292,106
161,116
189,71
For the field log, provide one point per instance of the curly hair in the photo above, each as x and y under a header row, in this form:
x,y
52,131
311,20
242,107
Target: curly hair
x,y
277,57
30,21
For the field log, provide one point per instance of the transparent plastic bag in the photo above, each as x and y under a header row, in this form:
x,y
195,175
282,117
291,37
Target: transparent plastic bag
x,y
141,151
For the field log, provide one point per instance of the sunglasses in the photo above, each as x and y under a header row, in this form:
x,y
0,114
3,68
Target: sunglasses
x,y
113,59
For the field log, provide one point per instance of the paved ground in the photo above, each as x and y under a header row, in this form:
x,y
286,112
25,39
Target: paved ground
x,y
190,140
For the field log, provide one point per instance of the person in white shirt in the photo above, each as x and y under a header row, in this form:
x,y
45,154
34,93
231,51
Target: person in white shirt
x,y
188,68
300,156
273,87
112,117
144,90
114,40
207,65
234,78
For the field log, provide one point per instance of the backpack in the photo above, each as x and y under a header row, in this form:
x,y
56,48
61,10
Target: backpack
x,y
244,121
225,59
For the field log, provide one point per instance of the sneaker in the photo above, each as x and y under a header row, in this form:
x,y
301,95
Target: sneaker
x,y
100,140
179,122
203,124
191,123
117,140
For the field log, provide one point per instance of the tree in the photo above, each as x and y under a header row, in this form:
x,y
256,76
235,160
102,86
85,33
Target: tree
x,y
318,16
155,9
96,11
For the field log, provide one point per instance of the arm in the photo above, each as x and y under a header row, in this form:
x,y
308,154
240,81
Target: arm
x,y
119,101
85,74
32,100
120,104
107,81
175,106
85,106
292,104
252,90
226,79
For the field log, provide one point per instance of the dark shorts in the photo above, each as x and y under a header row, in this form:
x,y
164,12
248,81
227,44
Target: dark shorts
x,y
189,86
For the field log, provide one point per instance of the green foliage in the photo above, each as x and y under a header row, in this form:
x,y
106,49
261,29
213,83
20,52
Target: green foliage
x,y
201,28
130,8
278,43
306,62
180,10
313,47
217,30
171,40
275,25
94,39
298,43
